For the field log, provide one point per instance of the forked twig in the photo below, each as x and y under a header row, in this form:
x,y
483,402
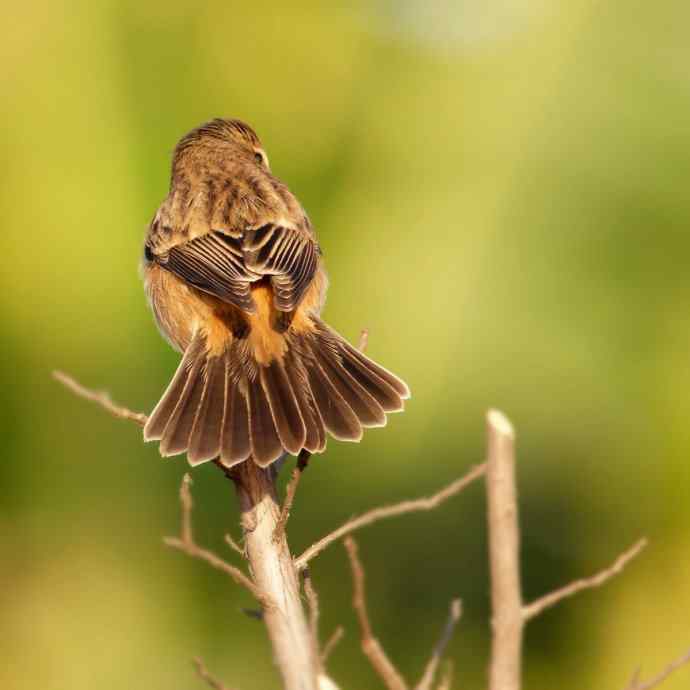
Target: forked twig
x,y
302,464
529,611
314,612
440,648
185,543
206,676
100,398
363,340
385,512
331,644
235,546
370,645
447,677
661,677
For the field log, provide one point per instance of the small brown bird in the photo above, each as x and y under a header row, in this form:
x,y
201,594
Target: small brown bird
x,y
235,278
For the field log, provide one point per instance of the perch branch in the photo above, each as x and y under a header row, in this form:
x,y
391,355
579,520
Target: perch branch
x,y
100,398
185,543
204,674
302,464
548,600
274,573
661,677
504,544
370,645
440,648
384,512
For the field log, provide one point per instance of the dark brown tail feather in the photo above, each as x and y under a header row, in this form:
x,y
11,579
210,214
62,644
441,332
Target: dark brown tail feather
x,y
232,408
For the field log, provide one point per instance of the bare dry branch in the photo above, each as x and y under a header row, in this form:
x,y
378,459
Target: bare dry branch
x,y
363,340
302,464
100,398
207,677
548,600
504,556
429,674
185,543
385,512
447,678
314,612
331,644
370,645
274,573
234,545
661,677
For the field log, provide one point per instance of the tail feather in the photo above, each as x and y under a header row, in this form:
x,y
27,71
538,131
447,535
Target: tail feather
x,y
159,418
204,442
265,442
285,408
235,445
361,402
315,437
233,408
337,415
178,429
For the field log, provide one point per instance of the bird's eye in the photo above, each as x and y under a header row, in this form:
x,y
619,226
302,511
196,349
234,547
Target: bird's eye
x,y
258,157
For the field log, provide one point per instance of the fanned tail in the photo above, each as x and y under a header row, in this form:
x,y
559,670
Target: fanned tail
x,y
232,408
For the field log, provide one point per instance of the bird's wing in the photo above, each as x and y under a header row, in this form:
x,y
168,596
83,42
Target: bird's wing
x,y
213,263
288,255
225,266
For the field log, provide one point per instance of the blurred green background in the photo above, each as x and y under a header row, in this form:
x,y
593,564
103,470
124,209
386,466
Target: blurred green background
x,y
501,191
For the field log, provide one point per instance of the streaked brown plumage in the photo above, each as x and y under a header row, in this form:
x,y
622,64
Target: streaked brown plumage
x,y
235,278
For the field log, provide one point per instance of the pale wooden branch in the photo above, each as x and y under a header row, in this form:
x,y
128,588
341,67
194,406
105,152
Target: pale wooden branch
x,y
548,600
432,666
302,464
185,543
447,678
370,645
204,674
385,512
504,557
661,677
331,644
100,398
234,545
314,612
274,574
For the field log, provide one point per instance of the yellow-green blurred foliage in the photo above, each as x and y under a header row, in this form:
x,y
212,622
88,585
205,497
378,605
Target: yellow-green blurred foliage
x,y
501,191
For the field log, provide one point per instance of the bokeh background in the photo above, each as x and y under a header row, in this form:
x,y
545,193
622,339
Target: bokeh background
x,y
501,191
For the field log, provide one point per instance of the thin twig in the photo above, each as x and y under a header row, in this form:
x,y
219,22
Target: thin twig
x,y
302,464
548,600
504,555
363,340
384,512
185,543
314,612
657,680
332,643
440,648
100,398
370,645
234,545
204,674
187,505
447,678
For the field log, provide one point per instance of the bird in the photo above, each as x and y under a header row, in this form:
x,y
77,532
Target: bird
x,y
235,278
